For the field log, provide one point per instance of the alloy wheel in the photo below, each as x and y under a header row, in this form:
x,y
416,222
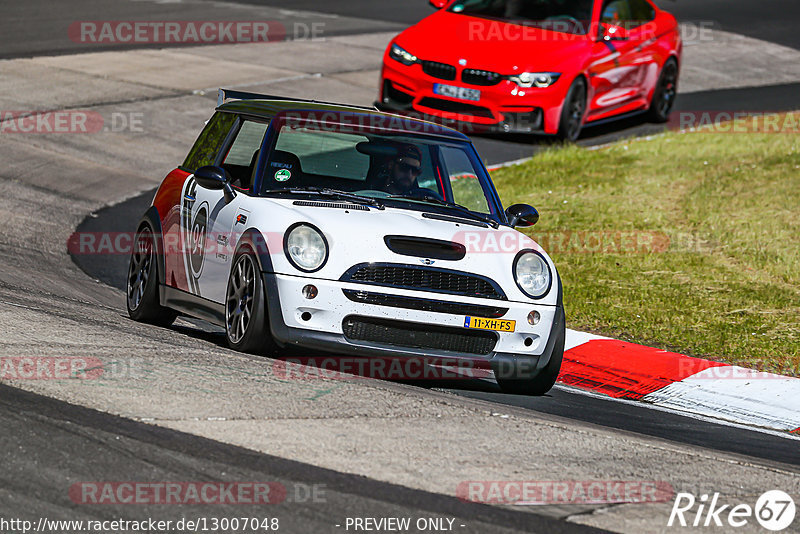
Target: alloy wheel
x,y
240,298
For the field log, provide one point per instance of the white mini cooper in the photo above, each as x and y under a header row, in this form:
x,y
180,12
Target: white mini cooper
x,y
345,230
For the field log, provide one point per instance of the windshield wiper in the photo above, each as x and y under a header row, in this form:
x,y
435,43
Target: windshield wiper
x,y
331,193
462,209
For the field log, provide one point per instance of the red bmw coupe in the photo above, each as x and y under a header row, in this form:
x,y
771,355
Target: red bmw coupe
x,y
542,66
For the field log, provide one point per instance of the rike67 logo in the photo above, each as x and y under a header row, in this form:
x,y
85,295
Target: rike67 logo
x,y
774,510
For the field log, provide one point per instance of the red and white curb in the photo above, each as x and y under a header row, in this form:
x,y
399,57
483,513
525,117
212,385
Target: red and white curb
x,y
711,389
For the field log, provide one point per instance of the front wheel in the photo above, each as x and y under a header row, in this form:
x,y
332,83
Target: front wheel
x,y
665,92
542,382
142,286
246,324
571,123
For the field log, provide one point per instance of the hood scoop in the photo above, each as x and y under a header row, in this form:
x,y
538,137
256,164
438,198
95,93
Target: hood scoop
x,y
339,205
421,247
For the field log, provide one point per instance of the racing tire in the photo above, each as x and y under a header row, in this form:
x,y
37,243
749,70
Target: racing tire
x,y
246,325
572,114
665,92
142,284
543,382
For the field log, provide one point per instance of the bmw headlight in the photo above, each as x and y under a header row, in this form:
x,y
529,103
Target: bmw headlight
x,y
401,55
535,79
305,247
532,274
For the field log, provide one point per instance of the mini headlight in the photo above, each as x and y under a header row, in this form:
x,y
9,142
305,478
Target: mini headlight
x,y
532,274
404,57
535,79
305,247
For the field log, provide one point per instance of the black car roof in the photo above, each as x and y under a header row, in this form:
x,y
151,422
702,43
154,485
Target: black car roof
x,y
269,107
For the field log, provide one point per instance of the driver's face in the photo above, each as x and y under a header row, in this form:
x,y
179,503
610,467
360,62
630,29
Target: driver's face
x,y
405,172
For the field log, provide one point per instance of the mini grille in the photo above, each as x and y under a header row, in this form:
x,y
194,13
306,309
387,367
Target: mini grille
x,y
413,303
442,71
425,279
419,336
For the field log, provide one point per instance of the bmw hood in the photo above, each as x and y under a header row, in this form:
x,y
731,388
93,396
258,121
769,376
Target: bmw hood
x,y
492,45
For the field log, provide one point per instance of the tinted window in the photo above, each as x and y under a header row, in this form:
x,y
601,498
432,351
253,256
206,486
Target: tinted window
x,y
331,154
240,159
567,16
627,13
642,11
466,185
247,141
205,149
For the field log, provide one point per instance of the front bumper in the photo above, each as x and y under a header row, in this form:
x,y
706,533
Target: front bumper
x,y
318,324
502,108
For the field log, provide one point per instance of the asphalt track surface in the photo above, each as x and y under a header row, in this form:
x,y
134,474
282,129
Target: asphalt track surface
x,y
47,437
562,402
40,27
42,429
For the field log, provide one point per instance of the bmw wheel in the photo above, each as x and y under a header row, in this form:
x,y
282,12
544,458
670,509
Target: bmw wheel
x,y
142,285
246,324
665,92
571,123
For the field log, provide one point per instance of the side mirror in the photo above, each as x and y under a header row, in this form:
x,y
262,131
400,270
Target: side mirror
x,y
215,179
522,215
612,32
439,4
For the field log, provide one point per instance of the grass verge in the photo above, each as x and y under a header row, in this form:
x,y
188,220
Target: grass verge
x,y
686,242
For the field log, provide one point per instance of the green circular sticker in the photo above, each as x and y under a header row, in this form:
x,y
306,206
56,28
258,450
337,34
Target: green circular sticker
x,y
283,175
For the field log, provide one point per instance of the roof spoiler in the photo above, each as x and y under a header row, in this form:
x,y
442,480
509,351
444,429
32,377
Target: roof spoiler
x,y
228,95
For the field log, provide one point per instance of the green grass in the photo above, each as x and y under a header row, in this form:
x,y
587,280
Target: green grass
x,y
727,286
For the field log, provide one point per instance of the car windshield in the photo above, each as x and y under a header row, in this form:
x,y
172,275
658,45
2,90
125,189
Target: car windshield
x,y
565,16
370,161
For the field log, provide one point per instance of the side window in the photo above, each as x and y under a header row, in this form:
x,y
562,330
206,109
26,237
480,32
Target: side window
x,y
627,13
241,157
616,12
466,187
642,12
205,149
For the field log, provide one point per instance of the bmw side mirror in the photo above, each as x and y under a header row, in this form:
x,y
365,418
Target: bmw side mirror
x,y
215,179
439,4
522,215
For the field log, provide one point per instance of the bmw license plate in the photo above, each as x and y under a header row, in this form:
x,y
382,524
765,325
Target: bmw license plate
x,y
497,325
462,93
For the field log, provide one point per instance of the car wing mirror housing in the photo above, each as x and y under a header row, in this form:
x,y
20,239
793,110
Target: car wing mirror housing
x,y
439,4
215,179
522,215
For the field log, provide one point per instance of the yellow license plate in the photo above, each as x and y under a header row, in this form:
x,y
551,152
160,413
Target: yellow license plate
x,y
497,325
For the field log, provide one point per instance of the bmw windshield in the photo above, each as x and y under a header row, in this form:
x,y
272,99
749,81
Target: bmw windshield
x,y
566,16
396,168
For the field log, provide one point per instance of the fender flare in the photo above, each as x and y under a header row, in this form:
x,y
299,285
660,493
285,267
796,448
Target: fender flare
x,y
152,219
